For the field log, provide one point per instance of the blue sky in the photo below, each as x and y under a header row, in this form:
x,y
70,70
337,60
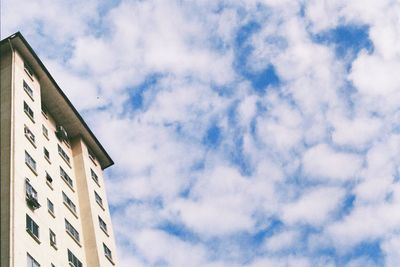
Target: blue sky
x,y
244,133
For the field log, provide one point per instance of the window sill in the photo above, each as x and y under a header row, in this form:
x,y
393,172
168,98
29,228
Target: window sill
x,y
66,142
73,238
30,141
29,75
54,246
48,160
104,231
93,160
96,181
101,206
45,115
29,116
109,259
33,236
31,97
70,186
29,166
68,163
51,213
71,210
49,185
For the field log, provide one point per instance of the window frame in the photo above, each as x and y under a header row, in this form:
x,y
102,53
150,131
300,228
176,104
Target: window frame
x,y
92,156
98,199
49,180
30,162
107,253
50,207
31,195
64,155
72,259
28,89
52,239
28,69
45,132
94,176
29,135
31,260
71,230
29,112
45,112
103,225
46,154
34,232
67,179
69,203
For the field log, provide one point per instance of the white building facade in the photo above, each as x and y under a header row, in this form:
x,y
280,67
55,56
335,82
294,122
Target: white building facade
x,y
54,210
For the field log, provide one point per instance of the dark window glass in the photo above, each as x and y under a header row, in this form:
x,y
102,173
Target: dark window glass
x,y
32,227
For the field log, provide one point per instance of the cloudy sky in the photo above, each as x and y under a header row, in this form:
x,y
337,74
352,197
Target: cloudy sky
x,y
244,132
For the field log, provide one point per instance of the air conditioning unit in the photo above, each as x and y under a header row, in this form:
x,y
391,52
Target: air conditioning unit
x,y
61,133
32,201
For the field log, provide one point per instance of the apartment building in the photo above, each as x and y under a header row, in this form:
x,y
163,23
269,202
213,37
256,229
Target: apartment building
x,y
54,210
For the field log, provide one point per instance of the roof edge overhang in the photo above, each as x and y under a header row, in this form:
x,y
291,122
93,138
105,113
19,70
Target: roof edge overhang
x,y
77,125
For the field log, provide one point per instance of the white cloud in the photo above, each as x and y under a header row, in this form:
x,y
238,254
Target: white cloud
x,y
356,132
158,246
247,109
361,262
379,174
365,223
282,241
374,76
282,129
321,162
314,207
391,249
289,261
218,204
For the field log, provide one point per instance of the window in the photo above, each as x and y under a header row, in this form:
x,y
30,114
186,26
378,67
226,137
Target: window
x,y
72,231
32,227
46,154
50,206
98,199
107,252
66,178
45,112
28,69
31,261
49,180
45,131
31,196
30,162
28,90
103,225
68,202
61,133
29,134
92,156
53,241
94,176
28,111
63,154
73,260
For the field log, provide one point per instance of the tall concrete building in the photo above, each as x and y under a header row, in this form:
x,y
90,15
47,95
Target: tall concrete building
x,y
54,210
